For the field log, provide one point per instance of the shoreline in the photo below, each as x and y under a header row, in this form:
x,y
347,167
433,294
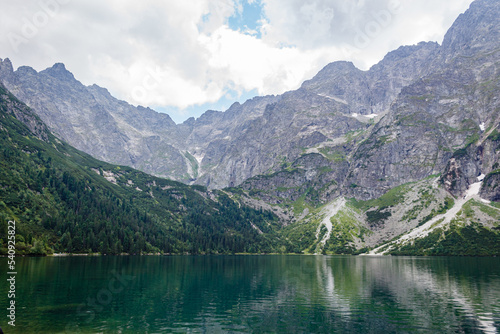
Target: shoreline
x,y
367,255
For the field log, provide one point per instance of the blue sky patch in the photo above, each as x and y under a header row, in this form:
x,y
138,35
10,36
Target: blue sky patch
x,y
248,19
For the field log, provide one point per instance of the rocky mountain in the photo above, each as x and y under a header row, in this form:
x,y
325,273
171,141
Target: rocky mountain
x,y
351,159
93,121
209,150
150,141
64,200
445,102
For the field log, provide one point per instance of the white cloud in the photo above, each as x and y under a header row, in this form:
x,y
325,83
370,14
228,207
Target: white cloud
x,y
364,30
249,63
180,53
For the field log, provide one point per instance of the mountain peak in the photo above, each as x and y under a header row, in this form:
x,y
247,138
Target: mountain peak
x,y
6,63
59,67
476,29
58,70
331,72
336,67
6,68
26,70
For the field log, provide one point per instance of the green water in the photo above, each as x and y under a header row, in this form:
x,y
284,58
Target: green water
x,y
254,294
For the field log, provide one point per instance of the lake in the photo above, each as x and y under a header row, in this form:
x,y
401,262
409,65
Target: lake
x,y
254,294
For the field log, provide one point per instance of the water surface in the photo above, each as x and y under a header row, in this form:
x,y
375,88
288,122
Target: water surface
x,y
254,294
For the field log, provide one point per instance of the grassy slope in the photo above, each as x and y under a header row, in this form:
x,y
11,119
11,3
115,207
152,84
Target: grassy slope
x,y
363,225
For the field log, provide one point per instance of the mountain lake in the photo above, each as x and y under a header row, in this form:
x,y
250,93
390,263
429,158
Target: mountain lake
x,y
254,294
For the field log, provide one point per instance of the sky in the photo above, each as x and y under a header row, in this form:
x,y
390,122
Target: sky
x,y
184,57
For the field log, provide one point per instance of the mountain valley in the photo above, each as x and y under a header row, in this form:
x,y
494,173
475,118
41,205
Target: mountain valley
x,y
401,159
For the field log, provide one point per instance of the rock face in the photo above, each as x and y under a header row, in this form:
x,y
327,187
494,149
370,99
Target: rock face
x,y
90,119
16,108
344,132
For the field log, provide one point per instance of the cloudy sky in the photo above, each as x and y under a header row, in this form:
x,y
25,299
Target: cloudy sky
x,y
186,56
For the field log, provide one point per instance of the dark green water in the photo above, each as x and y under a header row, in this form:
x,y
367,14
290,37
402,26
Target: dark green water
x,y
257,294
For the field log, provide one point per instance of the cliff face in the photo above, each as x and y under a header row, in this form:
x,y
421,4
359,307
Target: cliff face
x,y
344,132
432,103
327,115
